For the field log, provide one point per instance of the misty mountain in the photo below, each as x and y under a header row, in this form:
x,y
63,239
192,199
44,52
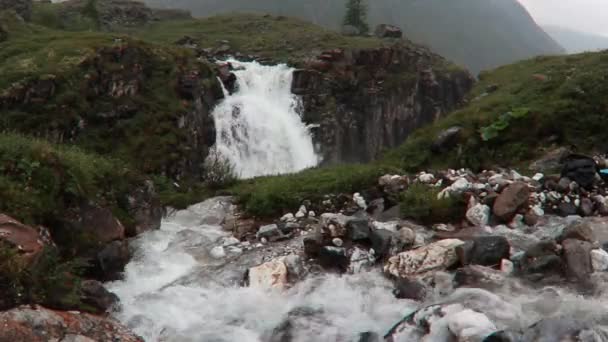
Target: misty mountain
x,y
575,41
479,34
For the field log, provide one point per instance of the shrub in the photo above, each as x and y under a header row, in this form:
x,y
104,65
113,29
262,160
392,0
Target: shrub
x,y
420,203
219,171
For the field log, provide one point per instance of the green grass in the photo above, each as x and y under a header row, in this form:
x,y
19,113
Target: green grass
x,y
420,203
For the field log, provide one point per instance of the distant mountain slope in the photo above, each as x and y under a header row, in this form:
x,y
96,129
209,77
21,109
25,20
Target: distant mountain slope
x,y
576,41
479,34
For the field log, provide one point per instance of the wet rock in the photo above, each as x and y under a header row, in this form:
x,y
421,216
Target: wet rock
x,y
577,231
586,208
369,337
112,260
406,288
312,244
546,264
407,236
577,255
270,275
479,215
513,198
476,276
503,336
489,250
358,229
446,140
470,325
567,209
37,324
531,218
599,260
271,232
97,296
333,257
382,240
388,31
436,256
145,208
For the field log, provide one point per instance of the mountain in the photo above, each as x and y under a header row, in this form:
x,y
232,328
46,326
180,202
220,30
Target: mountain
x,y
575,41
478,34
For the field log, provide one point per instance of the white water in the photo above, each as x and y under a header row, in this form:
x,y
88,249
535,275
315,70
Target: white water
x,y
258,127
160,306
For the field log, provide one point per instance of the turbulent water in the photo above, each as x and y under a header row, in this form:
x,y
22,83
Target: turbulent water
x,y
174,290
259,128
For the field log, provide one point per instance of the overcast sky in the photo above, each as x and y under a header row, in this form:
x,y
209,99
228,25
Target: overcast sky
x,y
581,15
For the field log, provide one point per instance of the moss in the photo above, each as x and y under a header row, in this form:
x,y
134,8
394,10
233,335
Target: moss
x,y
420,203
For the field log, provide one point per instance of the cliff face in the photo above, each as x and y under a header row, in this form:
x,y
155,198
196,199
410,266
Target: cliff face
x,y
365,101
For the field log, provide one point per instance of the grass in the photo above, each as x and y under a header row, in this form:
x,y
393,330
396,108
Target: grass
x,y
420,203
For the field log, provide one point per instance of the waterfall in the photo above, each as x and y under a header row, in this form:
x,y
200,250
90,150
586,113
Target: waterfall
x,y
258,127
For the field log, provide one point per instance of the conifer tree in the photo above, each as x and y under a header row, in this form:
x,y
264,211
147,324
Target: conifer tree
x,y
356,15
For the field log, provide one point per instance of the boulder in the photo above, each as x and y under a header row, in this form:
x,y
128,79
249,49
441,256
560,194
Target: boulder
x,y
489,250
101,223
446,139
312,244
112,260
476,276
577,231
270,232
418,262
599,260
38,324
406,288
550,161
145,208
333,257
22,7
479,215
382,239
270,275
566,209
581,169
577,256
97,296
25,239
369,337
587,207
513,198
388,31
358,229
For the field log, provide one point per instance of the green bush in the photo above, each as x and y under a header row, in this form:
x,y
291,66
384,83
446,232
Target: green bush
x,y
420,203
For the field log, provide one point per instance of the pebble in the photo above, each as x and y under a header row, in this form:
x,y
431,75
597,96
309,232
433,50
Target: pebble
x,y
218,252
337,242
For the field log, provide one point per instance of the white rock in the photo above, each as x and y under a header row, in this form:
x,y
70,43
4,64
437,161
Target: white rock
x,y
479,215
461,185
300,214
337,242
407,236
264,240
577,202
359,200
311,214
469,325
218,252
270,275
537,177
479,186
426,178
231,241
361,260
442,227
288,218
302,209
538,210
567,199
516,176
506,266
599,260
435,256
517,222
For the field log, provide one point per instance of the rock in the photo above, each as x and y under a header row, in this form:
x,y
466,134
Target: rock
x,y
531,219
566,209
446,139
333,257
490,250
369,337
358,229
599,260
360,260
37,324
577,255
407,236
97,296
25,239
476,276
406,288
479,215
586,208
22,7
381,241
218,252
295,268
577,231
436,256
243,228
550,161
469,325
270,275
581,169
112,260
563,185
350,30
101,223
312,244
513,198
507,266
337,242
271,232
388,31
546,264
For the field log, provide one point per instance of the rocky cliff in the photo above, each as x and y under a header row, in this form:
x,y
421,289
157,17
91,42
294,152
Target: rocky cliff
x,y
365,101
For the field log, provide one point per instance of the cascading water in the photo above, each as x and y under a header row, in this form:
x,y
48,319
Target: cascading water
x,y
258,127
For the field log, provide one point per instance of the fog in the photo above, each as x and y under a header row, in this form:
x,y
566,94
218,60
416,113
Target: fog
x,y
581,15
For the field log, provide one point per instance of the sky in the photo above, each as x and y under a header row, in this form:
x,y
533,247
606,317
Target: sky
x,y
581,15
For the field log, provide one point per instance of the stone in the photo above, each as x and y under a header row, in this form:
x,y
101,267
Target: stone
x,y
333,257
34,323
512,198
312,244
479,215
97,296
369,337
563,185
270,232
218,252
388,31
546,264
112,260
507,266
599,260
337,242
25,239
270,275
446,140
577,231
381,241
289,217
580,169
490,250
476,276
470,325
586,207
577,255
531,218
358,229
407,288
435,256
145,208
550,161
407,236
102,223
566,209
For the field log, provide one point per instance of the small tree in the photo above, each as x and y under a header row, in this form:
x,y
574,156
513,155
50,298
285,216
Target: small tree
x,y
356,15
